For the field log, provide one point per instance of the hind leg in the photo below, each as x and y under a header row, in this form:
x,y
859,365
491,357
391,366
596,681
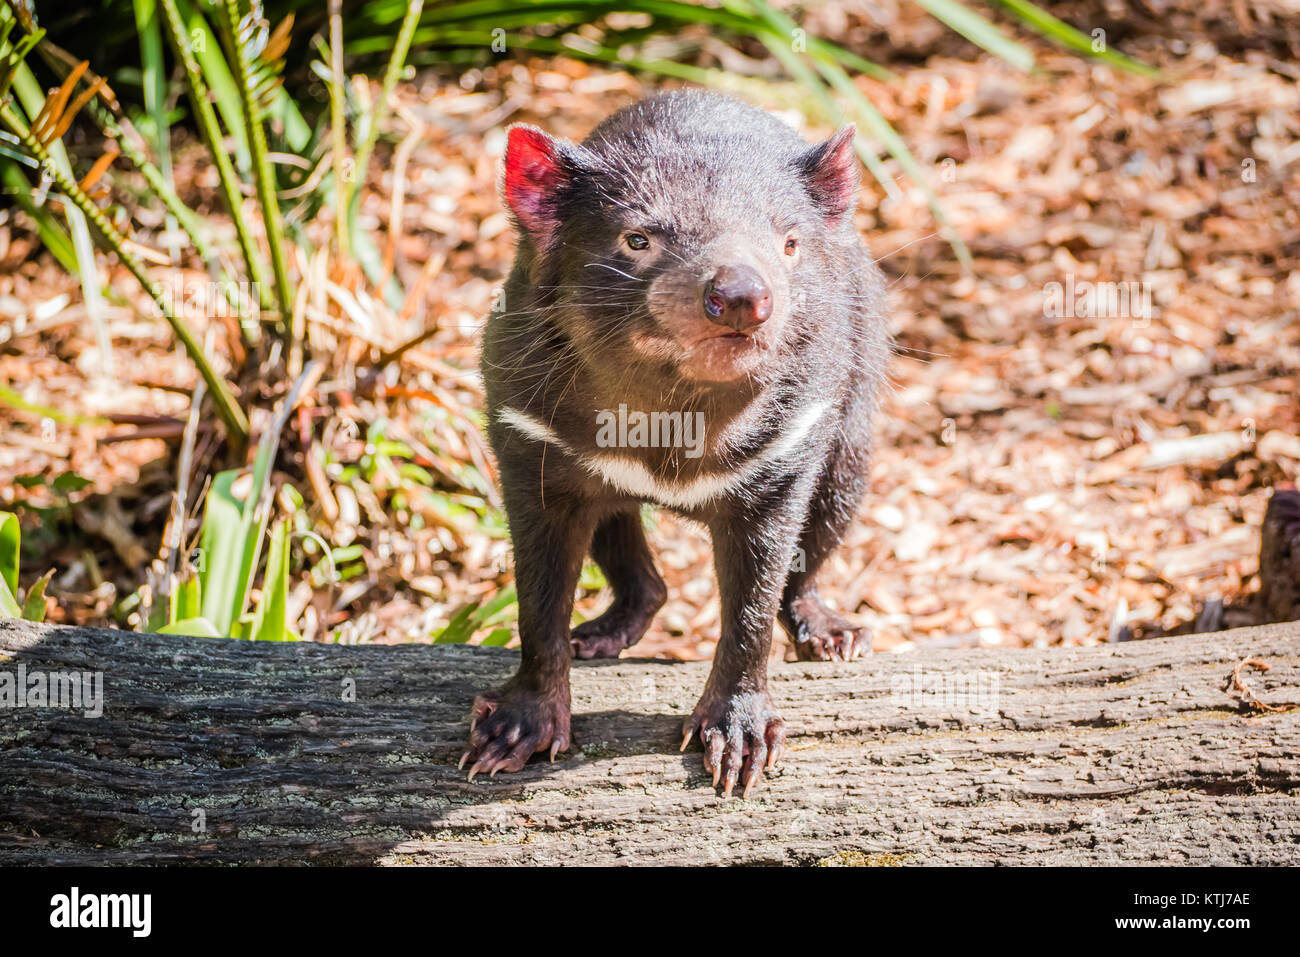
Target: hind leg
x,y
820,633
620,549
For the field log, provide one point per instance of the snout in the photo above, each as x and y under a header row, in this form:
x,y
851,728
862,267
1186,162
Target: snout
x,y
737,297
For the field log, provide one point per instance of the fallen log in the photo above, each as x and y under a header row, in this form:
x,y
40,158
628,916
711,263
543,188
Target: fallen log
x,y
233,751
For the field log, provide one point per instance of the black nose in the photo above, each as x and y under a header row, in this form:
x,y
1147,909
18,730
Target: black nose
x,y
737,297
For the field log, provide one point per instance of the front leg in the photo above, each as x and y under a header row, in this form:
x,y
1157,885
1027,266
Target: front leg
x,y
753,547
530,712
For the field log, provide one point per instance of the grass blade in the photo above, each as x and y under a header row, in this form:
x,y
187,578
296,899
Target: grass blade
x,y
1067,36
202,42
338,82
227,408
460,629
263,174
154,80
53,236
370,128
234,526
211,132
34,101
870,118
132,144
979,31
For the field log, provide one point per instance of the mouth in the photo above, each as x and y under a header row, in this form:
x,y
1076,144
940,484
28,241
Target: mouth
x,y
723,356
734,339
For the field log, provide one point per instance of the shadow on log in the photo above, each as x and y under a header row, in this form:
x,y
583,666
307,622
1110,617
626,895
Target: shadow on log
x,y
228,751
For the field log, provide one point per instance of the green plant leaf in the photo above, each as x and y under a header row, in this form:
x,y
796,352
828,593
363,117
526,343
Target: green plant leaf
x,y
1067,36
53,236
11,398
270,620
67,482
8,603
195,627
206,48
187,600
460,629
153,77
34,604
499,638
478,615
226,558
500,604
233,528
10,538
592,578
159,612
55,163
33,99
979,31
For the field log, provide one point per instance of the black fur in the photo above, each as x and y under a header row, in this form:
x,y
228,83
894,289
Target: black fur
x,y
685,169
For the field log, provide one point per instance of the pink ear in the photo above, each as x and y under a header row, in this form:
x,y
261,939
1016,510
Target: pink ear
x,y
830,171
534,171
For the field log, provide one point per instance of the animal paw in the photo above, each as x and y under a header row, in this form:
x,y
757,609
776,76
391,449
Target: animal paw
x,y
607,635
820,634
509,725
742,736
834,644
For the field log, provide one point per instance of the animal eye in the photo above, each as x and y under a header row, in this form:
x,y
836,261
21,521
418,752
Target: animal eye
x,y
636,241
791,246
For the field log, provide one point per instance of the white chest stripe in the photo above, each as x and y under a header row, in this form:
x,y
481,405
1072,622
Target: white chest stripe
x,y
633,478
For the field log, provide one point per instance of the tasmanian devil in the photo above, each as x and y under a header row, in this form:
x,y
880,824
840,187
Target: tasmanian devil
x,y
691,321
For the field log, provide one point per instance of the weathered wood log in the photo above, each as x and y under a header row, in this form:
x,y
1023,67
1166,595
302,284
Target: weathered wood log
x,y
230,751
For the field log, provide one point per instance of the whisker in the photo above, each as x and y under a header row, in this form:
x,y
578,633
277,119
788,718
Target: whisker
x,y
612,269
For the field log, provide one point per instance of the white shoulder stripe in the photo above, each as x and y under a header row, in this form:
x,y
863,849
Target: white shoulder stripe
x,y
534,429
799,428
633,478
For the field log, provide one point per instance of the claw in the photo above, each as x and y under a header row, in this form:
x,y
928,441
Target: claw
x,y
755,777
686,741
463,758
555,748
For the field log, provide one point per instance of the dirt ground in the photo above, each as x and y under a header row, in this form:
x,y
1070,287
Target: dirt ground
x,y
1052,465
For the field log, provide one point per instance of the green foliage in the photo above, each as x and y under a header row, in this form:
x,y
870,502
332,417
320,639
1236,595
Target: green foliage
x,y
270,620
10,538
230,61
479,615
33,607
234,527
1060,32
242,75
229,543
215,601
